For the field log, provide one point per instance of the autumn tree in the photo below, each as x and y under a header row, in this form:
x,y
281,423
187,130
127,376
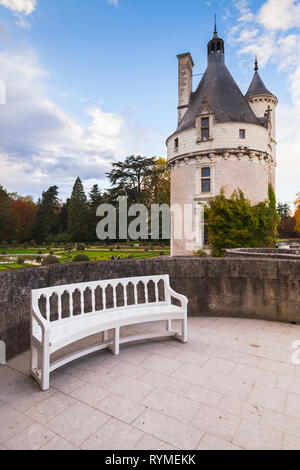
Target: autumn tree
x,y
161,182
26,211
297,213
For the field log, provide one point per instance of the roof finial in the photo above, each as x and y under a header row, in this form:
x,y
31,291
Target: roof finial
x,y
215,31
256,64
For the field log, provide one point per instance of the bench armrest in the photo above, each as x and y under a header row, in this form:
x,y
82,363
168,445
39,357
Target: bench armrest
x,y
44,327
182,298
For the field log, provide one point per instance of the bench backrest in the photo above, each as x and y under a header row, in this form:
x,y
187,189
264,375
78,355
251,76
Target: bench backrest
x,y
59,303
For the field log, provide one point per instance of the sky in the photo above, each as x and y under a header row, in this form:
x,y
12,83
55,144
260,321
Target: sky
x,y
89,82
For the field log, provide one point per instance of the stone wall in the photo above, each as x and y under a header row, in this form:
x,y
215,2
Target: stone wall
x,y
253,288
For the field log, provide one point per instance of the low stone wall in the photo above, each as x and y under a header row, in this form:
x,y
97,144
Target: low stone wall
x,y
253,288
271,253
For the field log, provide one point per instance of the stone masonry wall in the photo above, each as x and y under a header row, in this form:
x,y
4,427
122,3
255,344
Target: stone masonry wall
x,y
264,289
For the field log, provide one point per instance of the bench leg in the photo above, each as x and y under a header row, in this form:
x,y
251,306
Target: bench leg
x,y
183,337
116,342
45,368
105,336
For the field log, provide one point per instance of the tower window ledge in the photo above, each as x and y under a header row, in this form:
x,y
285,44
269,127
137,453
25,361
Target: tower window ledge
x,y
200,141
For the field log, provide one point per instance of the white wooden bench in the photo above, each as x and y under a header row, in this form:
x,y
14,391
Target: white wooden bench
x,y
65,314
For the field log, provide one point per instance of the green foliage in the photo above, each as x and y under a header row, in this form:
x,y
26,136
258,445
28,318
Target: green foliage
x,y
80,247
201,253
50,260
48,210
234,223
283,209
78,216
80,258
20,260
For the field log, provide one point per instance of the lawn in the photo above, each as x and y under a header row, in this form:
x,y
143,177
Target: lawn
x,y
95,254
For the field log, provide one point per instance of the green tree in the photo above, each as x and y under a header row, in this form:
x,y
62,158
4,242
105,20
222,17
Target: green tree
x,y
9,220
47,216
132,178
234,223
283,209
78,213
95,199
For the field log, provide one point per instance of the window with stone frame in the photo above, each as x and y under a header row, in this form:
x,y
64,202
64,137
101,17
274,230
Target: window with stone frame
x,y
204,127
176,143
205,180
242,134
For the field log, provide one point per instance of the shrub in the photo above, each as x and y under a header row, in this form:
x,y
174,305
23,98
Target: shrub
x,y
26,246
38,259
51,252
235,223
32,242
111,249
201,253
146,249
39,252
4,244
14,243
161,253
50,260
20,260
81,258
130,257
3,253
80,247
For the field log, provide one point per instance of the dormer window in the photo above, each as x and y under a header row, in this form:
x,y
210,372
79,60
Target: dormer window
x,y
242,134
176,144
205,128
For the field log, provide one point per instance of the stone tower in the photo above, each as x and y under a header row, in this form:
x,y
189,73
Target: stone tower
x,y
224,140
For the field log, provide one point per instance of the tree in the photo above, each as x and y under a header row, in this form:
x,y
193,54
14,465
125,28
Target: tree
x,y
95,199
78,215
132,178
47,215
297,213
161,182
234,223
26,212
9,220
283,209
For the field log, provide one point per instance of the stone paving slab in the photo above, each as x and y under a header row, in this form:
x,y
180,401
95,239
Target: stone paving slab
x,y
232,386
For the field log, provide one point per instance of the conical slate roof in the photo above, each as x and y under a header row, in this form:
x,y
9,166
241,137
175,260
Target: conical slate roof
x,y
257,87
220,93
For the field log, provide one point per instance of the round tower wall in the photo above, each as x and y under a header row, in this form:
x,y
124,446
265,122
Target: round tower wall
x,y
222,136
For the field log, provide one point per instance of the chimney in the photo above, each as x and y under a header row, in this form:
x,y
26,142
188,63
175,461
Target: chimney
x,y
185,82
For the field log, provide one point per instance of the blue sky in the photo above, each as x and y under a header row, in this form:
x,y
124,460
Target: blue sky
x,y
89,82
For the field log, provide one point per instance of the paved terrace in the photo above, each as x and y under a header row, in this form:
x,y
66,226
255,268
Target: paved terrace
x,y
233,386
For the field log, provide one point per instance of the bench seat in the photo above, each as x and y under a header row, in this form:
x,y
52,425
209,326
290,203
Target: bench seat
x,y
62,315
78,328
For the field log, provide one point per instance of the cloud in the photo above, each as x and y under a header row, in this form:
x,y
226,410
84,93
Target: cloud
x,y
275,28
280,14
41,144
21,9
114,2
25,7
